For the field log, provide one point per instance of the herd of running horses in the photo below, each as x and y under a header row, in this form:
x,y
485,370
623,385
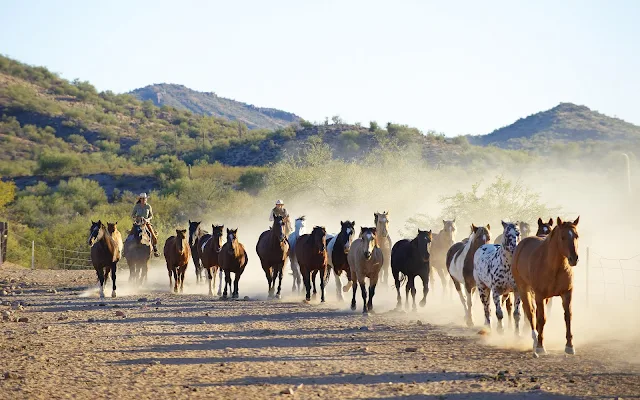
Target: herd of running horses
x,y
532,268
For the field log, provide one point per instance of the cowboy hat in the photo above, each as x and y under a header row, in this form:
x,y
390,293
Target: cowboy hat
x,y
142,196
279,202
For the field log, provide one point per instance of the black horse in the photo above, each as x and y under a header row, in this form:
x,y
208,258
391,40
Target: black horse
x,y
411,259
137,251
194,228
337,251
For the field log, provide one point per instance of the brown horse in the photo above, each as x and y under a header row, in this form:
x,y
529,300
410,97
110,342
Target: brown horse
x,y
311,253
177,253
544,229
209,251
460,265
273,248
232,258
381,221
365,260
544,268
441,243
105,254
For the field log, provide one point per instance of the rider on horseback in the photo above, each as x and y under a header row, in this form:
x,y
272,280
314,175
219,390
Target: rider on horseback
x,y
280,211
142,211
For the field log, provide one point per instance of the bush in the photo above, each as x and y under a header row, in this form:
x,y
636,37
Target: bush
x,y
52,164
170,168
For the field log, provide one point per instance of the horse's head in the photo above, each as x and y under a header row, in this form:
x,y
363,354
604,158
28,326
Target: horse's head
x,y
510,236
450,227
218,232
544,228
525,228
381,220
319,238
348,229
279,227
232,238
567,234
422,241
482,234
193,230
181,237
96,232
112,227
300,224
370,240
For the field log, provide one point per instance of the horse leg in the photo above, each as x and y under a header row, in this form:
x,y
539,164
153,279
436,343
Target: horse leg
x,y
549,302
323,272
499,314
267,272
279,271
407,289
363,289
541,318
336,275
425,288
227,282
516,312
443,279
396,278
183,271
469,303
220,279
114,267
354,287
412,280
306,276
100,273
462,299
174,269
313,280
236,281
506,299
170,278
528,308
132,271
210,280
566,304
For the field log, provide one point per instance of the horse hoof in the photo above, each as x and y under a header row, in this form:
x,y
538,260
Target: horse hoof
x,y
570,350
541,351
535,355
219,293
353,307
423,303
278,296
113,294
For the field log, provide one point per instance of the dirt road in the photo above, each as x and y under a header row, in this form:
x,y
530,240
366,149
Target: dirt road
x,y
153,344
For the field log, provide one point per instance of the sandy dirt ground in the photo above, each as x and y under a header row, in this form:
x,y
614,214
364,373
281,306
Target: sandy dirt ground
x,y
149,343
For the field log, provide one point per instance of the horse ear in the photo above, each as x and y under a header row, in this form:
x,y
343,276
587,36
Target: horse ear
x,y
429,234
341,223
503,224
559,221
454,220
444,222
488,227
374,230
375,218
540,221
551,221
189,222
577,220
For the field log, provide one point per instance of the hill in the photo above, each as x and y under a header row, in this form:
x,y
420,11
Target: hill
x,y
565,123
207,103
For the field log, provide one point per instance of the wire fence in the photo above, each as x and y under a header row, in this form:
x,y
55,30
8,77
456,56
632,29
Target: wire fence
x,y
54,257
610,279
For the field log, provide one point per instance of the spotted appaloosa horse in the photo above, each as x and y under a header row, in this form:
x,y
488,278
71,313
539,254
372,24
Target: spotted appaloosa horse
x,y
543,268
492,273
460,265
525,231
381,221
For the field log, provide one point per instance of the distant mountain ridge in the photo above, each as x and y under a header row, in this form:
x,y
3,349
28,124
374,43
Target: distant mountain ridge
x,y
208,103
567,122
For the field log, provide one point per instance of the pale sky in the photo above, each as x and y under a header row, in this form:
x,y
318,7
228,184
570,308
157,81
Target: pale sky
x,y
458,67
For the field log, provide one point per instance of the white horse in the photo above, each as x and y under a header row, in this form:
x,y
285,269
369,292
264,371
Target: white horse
x,y
492,273
300,230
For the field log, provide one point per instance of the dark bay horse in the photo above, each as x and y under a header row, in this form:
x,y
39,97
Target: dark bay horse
x,y
273,248
440,244
177,253
365,261
543,268
209,251
311,252
337,251
460,265
105,254
408,260
138,251
233,259
195,233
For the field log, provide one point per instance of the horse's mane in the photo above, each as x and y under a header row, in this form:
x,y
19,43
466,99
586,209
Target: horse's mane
x,y
302,218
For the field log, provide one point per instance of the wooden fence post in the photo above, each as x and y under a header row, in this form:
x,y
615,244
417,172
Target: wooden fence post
x,y
33,254
587,273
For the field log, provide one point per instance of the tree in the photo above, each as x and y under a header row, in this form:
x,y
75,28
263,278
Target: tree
x,y
7,193
373,126
336,120
170,168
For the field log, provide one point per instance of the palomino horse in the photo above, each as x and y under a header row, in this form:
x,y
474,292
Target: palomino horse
x,y
492,273
195,233
411,259
311,252
233,259
105,254
442,241
177,254
300,230
544,268
381,221
272,248
137,251
337,251
460,265
209,251
365,261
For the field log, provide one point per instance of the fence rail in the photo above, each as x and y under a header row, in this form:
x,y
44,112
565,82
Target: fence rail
x,y
614,272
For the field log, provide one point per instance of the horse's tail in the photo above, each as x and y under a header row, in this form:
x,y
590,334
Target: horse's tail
x,y
403,280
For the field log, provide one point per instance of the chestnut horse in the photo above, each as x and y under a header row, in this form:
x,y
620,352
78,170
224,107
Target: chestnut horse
x,y
544,268
460,265
381,221
105,254
177,253
232,258
273,248
311,252
209,250
365,260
